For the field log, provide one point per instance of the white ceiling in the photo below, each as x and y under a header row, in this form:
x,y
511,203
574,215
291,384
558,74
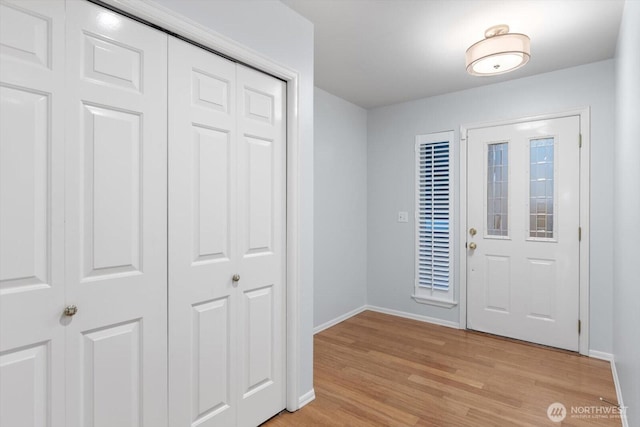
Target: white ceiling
x,y
380,52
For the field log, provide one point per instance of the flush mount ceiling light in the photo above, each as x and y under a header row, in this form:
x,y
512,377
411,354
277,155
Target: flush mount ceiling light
x,y
500,52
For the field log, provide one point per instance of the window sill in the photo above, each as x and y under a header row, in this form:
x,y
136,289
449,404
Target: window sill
x,y
438,302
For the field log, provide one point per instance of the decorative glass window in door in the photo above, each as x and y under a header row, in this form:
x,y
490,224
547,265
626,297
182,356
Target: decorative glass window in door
x,y
541,186
498,189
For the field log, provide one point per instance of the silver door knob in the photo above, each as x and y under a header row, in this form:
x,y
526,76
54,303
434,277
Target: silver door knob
x,y
472,245
236,278
70,310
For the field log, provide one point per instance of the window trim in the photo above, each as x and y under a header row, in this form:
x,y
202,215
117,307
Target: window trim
x,y
431,296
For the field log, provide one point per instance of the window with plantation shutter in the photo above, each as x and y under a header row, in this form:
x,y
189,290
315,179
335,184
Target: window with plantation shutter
x,y
434,233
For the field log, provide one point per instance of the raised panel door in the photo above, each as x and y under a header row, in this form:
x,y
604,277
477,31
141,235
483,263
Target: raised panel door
x,y
261,245
116,220
32,295
203,301
226,219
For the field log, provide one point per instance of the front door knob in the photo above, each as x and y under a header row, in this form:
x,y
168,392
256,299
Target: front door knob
x,y
472,245
70,310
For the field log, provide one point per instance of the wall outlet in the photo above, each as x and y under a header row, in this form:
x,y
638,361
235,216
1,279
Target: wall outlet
x,y
403,216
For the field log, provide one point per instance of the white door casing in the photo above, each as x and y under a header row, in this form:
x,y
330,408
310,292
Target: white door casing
x,y
115,220
523,283
226,217
32,294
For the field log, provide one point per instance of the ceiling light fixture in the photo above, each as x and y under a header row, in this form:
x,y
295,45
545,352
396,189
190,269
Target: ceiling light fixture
x,y
500,52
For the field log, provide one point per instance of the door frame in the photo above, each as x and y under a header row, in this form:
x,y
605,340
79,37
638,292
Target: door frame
x,y
585,190
167,19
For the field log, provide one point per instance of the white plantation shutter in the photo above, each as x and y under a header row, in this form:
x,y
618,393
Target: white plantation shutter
x,y
434,216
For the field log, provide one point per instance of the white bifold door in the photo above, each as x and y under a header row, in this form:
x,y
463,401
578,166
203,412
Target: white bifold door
x,y
226,241
87,283
32,276
83,272
116,220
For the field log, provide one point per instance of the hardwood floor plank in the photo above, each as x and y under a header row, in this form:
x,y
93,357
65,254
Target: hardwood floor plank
x,y
380,370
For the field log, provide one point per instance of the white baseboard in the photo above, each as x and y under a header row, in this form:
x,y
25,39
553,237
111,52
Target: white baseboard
x,y
418,317
306,398
616,382
398,313
338,319
601,355
610,358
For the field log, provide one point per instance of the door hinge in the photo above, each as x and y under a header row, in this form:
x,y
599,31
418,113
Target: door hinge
x,y
579,326
580,140
579,234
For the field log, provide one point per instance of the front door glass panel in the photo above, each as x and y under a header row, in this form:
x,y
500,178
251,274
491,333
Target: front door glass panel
x,y
541,188
498,189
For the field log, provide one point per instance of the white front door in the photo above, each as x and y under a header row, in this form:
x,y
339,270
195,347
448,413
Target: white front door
x,y
32,293
226,219
523,231
116,220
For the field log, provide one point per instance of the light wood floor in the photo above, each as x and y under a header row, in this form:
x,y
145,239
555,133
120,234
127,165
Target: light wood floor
x,y
381,370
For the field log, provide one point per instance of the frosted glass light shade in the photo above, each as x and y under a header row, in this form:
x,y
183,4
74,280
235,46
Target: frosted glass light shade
x,y
498,54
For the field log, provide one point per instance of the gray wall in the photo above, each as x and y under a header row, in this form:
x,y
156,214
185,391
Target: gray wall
x,y
391,135
278,33
626,317
340,208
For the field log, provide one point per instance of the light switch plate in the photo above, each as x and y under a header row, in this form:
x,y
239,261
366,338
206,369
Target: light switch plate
x,y
403,216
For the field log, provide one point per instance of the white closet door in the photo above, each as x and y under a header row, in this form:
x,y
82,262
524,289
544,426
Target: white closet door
x,y
116,220
202,238
226,218
261,245
31,213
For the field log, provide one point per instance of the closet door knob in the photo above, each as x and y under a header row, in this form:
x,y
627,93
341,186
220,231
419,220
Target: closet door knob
x,y
70,310
236,278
